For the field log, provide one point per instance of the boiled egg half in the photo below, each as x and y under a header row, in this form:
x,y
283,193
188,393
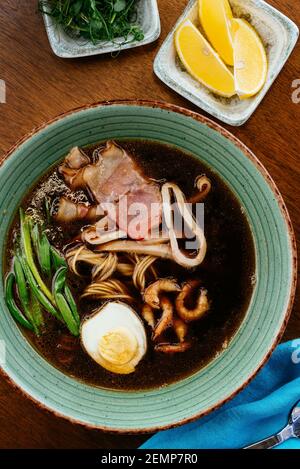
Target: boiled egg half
x,y
115,337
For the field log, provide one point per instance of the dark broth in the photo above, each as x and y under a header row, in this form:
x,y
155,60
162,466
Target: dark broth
x,y
227,273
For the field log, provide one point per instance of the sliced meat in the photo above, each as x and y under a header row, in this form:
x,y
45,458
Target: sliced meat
x,y
116,178
139,211
119,174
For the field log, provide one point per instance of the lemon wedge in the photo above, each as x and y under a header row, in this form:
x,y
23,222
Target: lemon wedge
x,y
215,17
250,59
201,61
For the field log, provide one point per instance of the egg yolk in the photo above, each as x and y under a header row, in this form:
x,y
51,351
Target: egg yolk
x,y
118,346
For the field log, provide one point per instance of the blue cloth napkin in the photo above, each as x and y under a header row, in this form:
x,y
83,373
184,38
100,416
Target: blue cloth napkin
x,y
257,412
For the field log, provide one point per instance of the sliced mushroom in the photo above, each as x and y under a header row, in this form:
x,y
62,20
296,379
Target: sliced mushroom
x,y
156,248
138,247
73,168
202,305
68,211
76,158
153,291
98,237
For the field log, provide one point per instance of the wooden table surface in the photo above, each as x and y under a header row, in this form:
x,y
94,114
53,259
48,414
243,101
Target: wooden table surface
x,y
40,86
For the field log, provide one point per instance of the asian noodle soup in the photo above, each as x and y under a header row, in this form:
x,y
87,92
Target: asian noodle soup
x,y
157,318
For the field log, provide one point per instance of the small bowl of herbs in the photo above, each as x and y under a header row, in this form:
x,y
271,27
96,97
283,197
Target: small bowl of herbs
x,y
79,28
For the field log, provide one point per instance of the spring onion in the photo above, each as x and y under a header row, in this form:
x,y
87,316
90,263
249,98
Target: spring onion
x,y
11,304
59,283
72,303
21,283
33,293
42,298
66,313
57,259
42,249
25,296
27,249
36,312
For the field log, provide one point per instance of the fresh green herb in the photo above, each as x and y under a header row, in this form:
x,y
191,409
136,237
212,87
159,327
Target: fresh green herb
x,y
42,249
11,304
66,313
59,280
32,293
43,299
59,285
72,304
44,255
27,249
24,294
36,312
96,20
57,259
21,283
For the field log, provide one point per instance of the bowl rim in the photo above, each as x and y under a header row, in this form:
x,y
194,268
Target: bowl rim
x,y
283,209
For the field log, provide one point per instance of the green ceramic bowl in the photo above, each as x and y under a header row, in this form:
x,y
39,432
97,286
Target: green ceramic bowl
x,y
272,299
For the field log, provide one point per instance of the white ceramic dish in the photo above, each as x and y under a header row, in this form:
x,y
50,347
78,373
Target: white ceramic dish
x,y
279,35
68,48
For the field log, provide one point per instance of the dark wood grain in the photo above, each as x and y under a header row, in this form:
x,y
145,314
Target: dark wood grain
x,y
40,86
